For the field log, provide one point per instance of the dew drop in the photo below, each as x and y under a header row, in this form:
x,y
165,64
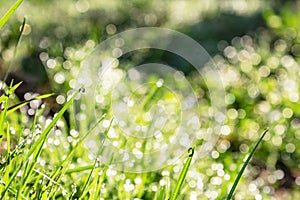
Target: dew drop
x,y
82,90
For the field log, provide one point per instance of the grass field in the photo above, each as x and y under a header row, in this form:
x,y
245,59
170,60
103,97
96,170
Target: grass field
x,y
48,127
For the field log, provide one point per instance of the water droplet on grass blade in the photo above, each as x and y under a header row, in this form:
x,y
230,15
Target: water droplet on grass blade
x,y
82,90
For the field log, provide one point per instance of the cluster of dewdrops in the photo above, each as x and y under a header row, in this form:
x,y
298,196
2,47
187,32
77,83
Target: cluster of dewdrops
x,y
242,66
65,69
275,78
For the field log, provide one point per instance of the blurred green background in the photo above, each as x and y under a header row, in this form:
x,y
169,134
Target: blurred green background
x,y
256,45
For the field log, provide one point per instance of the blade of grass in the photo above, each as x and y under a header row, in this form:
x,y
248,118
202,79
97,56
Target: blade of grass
x,y
92,187
2,98
23,103
15,50
65,163
47,130
13,88
51,180
79,169
237,179
36,187
87,188
84,191
8,14
29,168
167,190
2,118
12,177
183,173
37,146
37,115
145,105
5,105
102,178
163,193
13,157
142,185
6,177
95,186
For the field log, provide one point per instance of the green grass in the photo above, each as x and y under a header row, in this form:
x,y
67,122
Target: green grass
x,y
52,185
183,174
43,158
9,13
247,160
27,161
24,158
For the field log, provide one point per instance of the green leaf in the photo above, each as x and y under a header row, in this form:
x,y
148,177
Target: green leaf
x,y
8,14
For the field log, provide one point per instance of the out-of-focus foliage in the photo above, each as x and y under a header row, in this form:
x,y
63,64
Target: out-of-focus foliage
x,y
256,45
